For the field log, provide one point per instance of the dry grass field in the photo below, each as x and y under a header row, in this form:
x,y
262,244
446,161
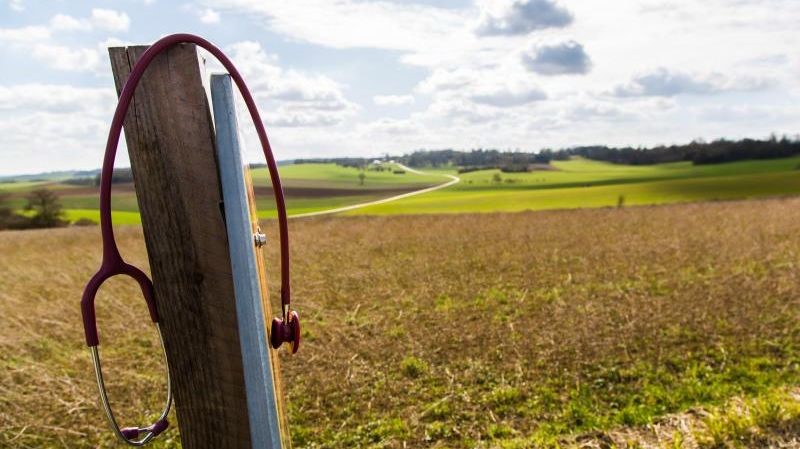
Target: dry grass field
x,y
671,326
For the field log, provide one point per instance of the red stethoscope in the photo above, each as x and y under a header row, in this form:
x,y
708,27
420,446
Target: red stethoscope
x,y
285,329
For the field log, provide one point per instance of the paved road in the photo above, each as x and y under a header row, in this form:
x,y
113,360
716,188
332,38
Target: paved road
x,y
453,180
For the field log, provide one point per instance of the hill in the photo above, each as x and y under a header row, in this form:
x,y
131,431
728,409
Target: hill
x,y
569,184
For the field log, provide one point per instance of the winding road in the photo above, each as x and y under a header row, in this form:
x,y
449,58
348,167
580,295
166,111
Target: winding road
x,y
453,180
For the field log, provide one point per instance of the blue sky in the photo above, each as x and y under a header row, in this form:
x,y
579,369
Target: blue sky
x,y
347,77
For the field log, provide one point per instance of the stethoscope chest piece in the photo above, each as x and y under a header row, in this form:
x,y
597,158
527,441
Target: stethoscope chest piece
x,y
286,331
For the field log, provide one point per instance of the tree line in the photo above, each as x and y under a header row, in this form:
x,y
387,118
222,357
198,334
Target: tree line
x,y
353,162
698,152
481,159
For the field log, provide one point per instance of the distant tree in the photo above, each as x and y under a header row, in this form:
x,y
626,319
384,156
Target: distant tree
x,y
5,211
48,212
497,178
361,177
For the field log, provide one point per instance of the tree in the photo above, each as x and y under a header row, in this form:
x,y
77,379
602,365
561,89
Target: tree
x,y
5,211
47,209
497,178
361,177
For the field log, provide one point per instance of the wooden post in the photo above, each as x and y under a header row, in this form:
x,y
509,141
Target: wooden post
x,y
170,140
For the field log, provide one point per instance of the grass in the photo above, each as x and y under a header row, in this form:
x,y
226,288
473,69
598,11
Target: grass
x,y
751,422
490,199
584,173
333,176
266,206
19,186
541,329
118,217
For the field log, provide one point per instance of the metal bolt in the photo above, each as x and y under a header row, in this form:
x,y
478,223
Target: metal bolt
x,y
259,238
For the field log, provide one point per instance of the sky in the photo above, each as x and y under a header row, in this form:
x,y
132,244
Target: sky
x,y
365,78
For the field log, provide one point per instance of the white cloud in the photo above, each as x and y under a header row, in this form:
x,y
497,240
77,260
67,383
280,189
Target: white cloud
x,y
301,99
50,126
24,35
64,22
110,20
560,58
391,127
663,82
474,86
209,16
522,17
70,59
507,96
55,98
475,95
16,5
349,23
392,100
39,41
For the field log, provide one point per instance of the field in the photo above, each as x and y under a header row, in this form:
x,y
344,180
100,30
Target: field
x,y
577,183
667,327
581,183
308,188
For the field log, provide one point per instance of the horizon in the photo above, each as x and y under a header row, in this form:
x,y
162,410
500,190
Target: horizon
x,y
13,176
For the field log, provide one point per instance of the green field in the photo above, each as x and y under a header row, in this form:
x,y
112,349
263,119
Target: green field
x,y
332,176
577,183
581,183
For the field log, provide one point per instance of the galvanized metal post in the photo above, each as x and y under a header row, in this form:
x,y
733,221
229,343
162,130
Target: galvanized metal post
x,y
263,396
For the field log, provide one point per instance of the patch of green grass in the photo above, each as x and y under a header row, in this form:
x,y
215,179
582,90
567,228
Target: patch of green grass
x,y
118,217
121,202
747,422
455,200
333,176
614,397
266,205
21,185
579,172
413,367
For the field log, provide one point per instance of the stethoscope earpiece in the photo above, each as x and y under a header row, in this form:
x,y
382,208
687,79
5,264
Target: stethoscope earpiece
x,y
286,331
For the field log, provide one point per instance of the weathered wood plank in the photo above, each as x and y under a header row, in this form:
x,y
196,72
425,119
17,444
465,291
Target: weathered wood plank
x,y
259,372
171,145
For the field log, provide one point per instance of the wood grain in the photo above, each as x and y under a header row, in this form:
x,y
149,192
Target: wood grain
x,y
171,145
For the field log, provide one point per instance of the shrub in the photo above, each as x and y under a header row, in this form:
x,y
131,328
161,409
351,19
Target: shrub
x,y
84,222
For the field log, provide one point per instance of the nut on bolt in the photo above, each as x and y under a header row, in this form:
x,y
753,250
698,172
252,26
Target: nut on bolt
x,y
259,238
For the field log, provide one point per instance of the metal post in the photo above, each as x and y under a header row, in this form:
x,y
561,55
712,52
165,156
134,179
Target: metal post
x,y
262,396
